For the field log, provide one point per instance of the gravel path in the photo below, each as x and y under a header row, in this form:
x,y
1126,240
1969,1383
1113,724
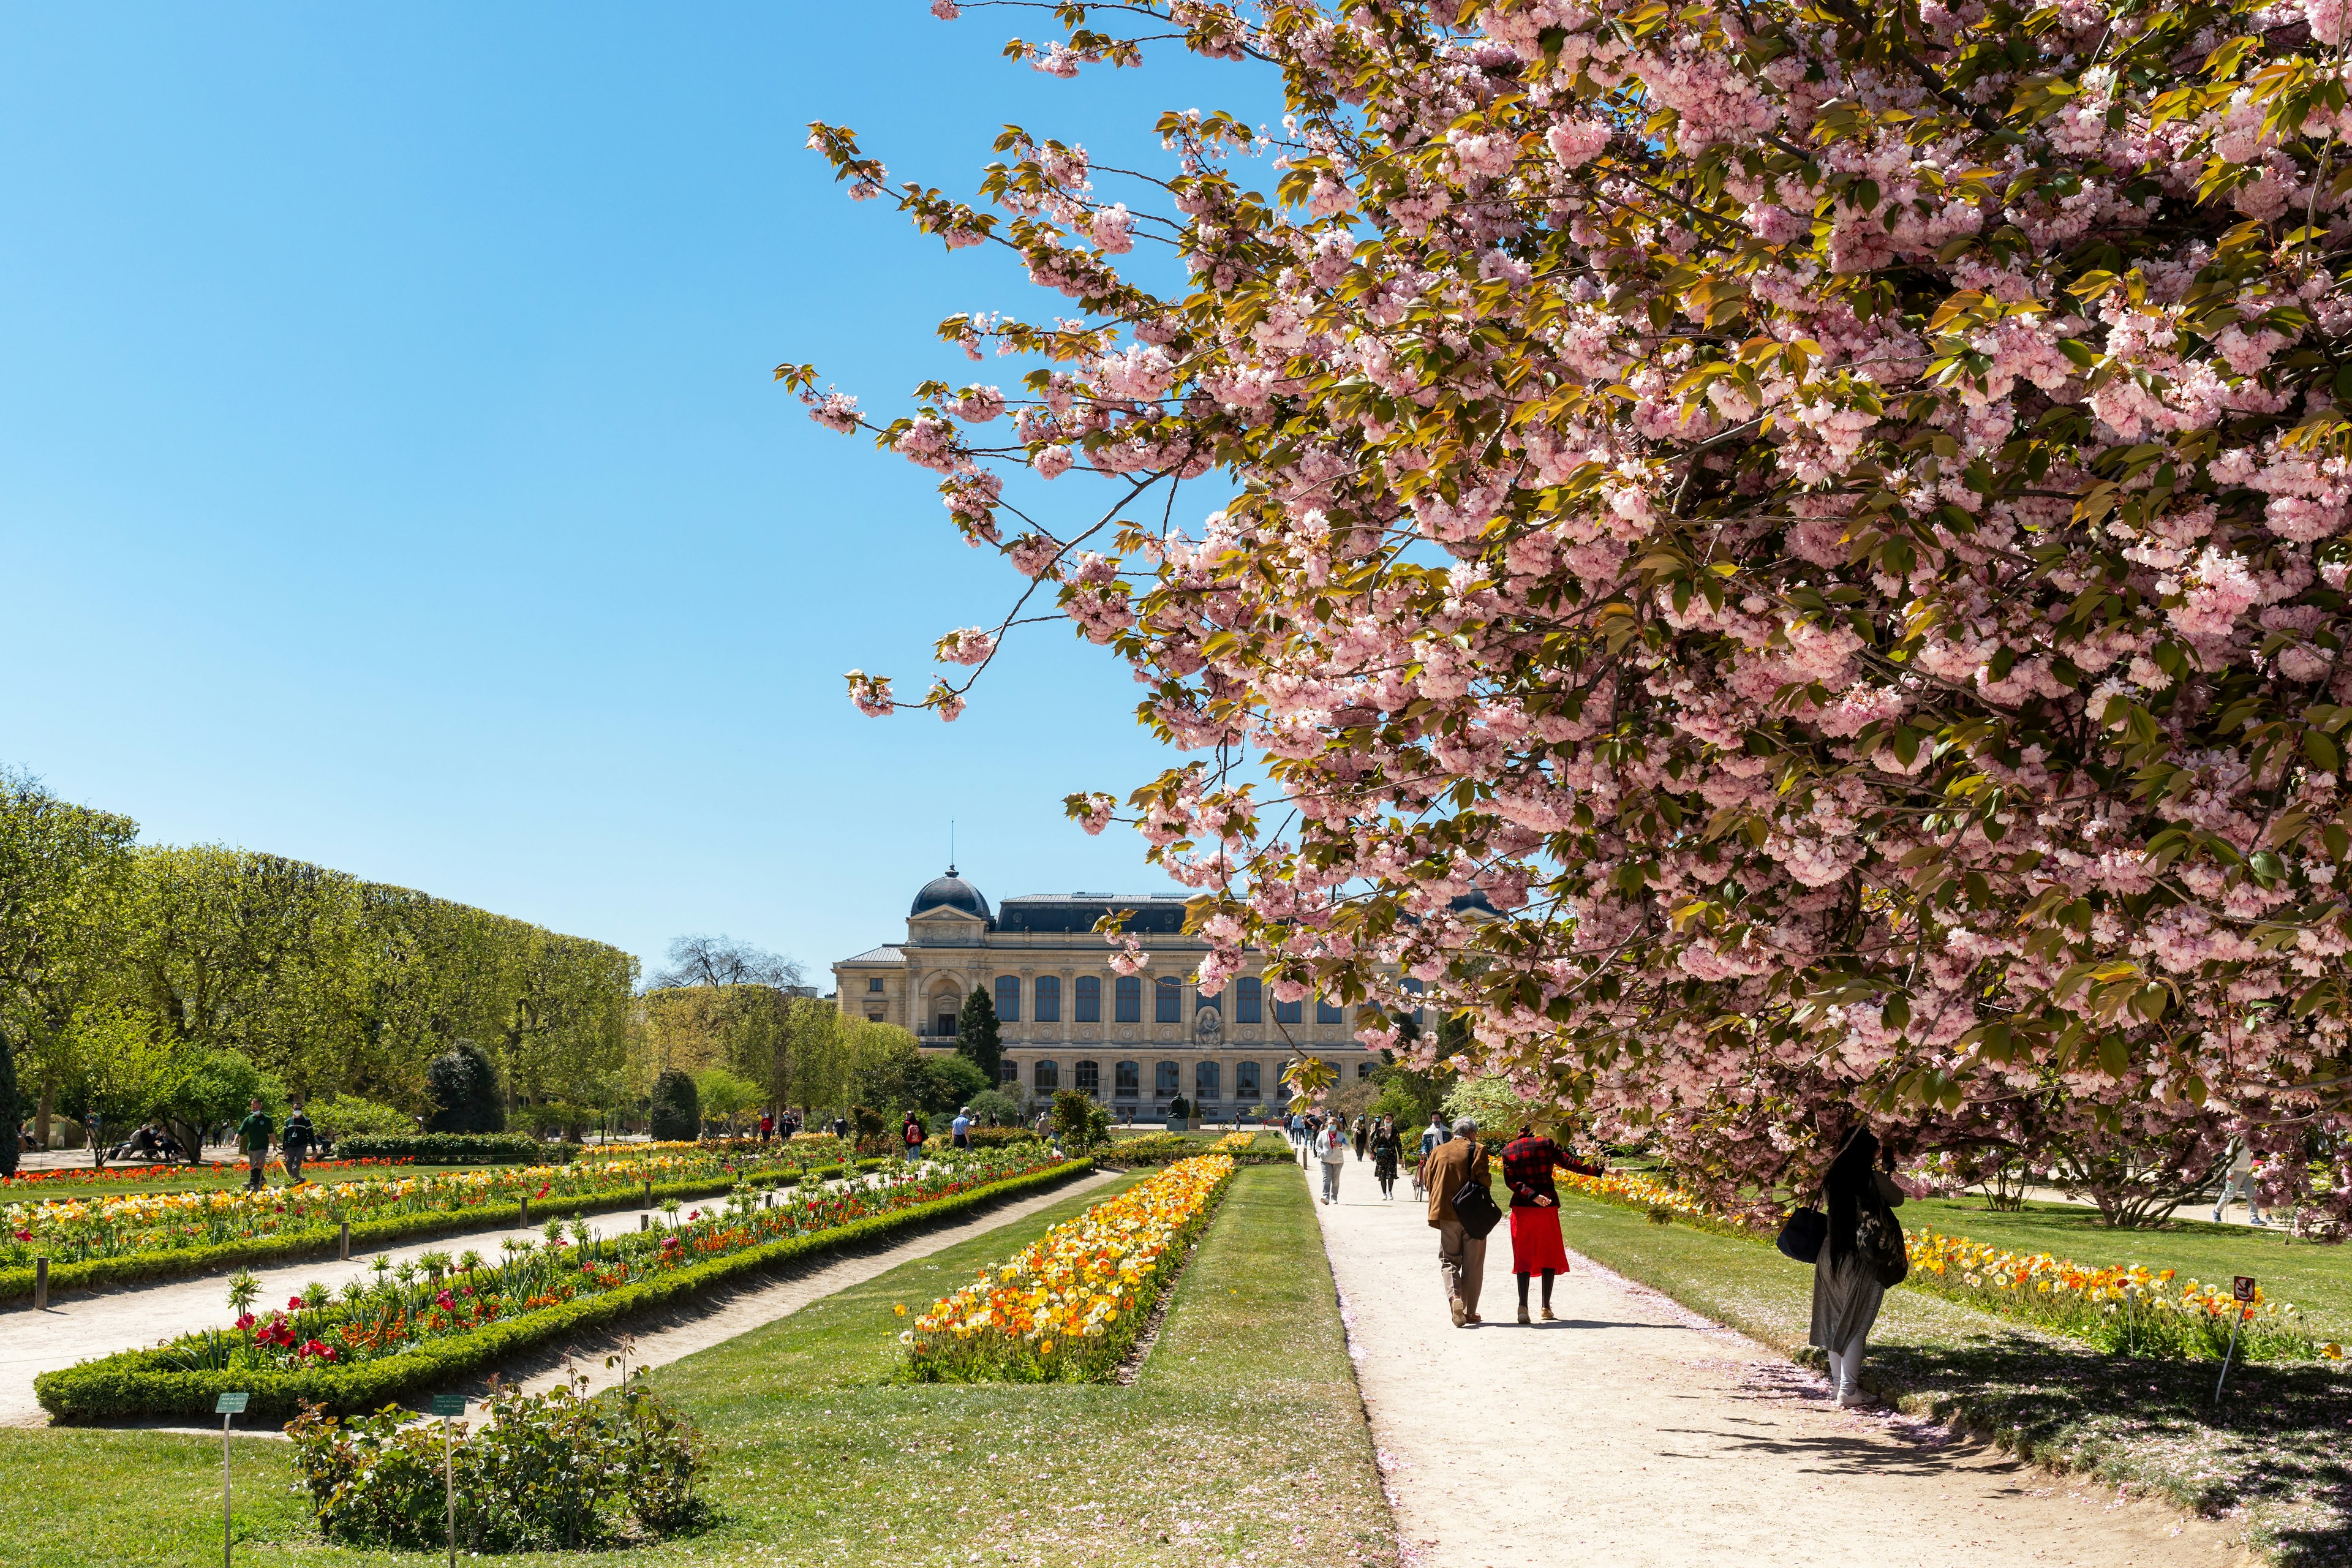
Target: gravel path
x,y
1633,1432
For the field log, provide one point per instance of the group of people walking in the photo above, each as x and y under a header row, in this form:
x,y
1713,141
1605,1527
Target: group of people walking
x,y
1455,1173
1327,1140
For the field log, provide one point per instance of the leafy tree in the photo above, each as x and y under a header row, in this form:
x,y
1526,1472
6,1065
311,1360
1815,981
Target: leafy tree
x,y
977,1034
994,1108
1078,1122
206,1087
885,1067
677,1114
949,1083
722,1096
465,1091
9,1118
64,870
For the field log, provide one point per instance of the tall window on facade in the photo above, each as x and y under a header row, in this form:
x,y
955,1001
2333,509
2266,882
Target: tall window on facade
x,y
1249,999
1046,997
1008,1071
1087,996
1086,1077
1048,1077
875,984
1363,1070
1129,998
1164,1081
1008,998
1167,1001
1205,1084
1245,1080
1127,1081
1287,1011
1326,1011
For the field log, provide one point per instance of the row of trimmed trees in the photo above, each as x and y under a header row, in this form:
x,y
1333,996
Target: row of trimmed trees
x,y
140,981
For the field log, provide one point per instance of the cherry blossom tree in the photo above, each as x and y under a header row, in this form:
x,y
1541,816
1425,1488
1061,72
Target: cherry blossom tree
x,y
1788,561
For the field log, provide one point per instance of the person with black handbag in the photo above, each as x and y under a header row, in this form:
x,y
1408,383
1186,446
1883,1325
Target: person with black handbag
x,y
1861,1255
1461,1210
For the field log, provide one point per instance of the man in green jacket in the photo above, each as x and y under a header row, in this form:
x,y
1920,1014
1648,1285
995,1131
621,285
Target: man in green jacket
x,y
253,1137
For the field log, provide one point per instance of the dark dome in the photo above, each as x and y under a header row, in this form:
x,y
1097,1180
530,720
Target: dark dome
x,y
949,893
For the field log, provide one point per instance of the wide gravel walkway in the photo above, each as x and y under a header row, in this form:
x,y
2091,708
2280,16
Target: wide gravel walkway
x,y
1633,1432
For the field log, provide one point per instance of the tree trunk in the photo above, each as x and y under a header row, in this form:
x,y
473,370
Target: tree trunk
x,y
41,1115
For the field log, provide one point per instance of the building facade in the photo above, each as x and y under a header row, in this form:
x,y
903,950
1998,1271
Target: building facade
x,y
1068,1020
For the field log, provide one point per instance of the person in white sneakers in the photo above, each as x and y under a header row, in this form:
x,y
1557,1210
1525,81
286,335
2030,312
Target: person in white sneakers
x,y
1331,1149
2239,1184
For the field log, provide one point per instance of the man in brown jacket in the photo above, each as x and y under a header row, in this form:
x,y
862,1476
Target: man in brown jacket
x,y
1461,1256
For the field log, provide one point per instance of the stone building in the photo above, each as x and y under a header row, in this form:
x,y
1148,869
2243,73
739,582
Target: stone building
x,y
1070,1021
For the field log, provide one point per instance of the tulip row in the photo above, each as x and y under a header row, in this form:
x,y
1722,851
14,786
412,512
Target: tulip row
x,y
156,1175
2127,1308
1068,1308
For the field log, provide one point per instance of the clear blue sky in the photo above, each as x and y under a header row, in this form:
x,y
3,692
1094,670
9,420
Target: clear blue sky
x,y
390,474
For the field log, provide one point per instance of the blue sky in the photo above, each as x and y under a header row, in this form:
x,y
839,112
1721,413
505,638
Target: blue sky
x,y
390,474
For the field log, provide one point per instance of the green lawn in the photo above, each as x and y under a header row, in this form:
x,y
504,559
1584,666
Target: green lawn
x,y
1243,1439
2273,1456
2317,1279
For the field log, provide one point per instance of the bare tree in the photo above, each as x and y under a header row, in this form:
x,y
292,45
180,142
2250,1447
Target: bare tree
x,y
723,960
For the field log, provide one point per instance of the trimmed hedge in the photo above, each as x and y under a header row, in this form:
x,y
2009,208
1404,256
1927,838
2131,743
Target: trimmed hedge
x,y
140,1383
98,1273
457,1149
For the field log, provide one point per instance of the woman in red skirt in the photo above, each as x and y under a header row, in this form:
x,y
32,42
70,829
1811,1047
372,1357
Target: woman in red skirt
x,y
1527,1161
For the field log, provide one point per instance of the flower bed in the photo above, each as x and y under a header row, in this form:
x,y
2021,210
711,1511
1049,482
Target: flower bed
x,y
460,1148
1068,1308
108,1240
2126,1309
399,1335
151,1175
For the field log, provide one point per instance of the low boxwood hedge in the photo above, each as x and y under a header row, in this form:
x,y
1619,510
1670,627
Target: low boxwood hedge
x,y
100,1273
457,1149
142,1384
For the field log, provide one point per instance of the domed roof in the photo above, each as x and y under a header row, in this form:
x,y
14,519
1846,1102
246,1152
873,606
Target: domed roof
x,y
949,893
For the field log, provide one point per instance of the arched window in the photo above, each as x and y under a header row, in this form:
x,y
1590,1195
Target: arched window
x,y
1047,1077
1008,998
1045,997
1326,1010
1008,1071
1249,993
1245,1086
1127,1081
1167,1001
1164,1081
1129,998
1206,1081
1087,995
1086,1077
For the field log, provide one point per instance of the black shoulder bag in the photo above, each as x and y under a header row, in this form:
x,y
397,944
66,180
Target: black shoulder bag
x,y
1803,1233
1474,1205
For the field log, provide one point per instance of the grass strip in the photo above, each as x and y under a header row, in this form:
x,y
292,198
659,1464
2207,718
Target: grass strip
x,y
2271,1457
179,1262
144,1383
